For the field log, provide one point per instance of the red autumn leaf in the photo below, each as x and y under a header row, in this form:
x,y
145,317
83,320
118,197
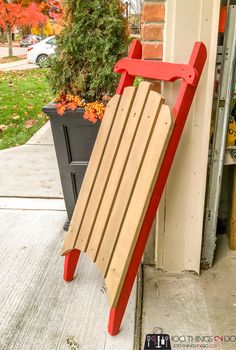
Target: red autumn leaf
x,y
56,10
91,116
61,108
106,98
86,115
3,127
72,105
29,123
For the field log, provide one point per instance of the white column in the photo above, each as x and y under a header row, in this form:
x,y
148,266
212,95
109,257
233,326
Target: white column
x,y
180,216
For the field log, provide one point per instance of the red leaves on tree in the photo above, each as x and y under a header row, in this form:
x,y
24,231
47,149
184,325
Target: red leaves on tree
x,y
34,16
15,15
56,10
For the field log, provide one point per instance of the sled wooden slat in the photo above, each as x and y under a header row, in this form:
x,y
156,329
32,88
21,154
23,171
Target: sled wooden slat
x,y
92,168
118,169
138,204
102,175
133,166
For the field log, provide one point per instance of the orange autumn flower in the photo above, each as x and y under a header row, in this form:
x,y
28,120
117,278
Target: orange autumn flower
x,y
93,110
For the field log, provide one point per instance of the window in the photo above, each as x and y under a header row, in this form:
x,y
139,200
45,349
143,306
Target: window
x,y
52,41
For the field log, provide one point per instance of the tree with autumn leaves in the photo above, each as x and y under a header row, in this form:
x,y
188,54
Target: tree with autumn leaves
x,y
24,13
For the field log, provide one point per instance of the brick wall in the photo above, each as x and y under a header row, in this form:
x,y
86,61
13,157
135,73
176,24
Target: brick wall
x,y
152,28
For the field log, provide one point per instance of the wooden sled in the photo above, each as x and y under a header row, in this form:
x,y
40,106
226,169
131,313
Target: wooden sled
x,y
127,173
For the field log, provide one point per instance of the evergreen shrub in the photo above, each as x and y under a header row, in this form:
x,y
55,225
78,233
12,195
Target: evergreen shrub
x,y
93,38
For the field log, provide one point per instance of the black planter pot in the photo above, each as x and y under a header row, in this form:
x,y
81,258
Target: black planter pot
x,y
74,138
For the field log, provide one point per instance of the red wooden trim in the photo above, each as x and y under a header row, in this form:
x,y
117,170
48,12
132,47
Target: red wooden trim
x,y
71,260
181,109
157,70
135,51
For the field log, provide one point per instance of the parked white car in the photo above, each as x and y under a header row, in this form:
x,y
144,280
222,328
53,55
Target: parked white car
x,y
39,52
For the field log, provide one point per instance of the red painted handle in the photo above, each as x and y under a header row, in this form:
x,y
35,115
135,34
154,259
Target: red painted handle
x,y
157,70
133,66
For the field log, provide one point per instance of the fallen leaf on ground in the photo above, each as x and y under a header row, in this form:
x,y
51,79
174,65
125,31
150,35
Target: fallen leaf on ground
x,y
14,125
30,123
15,117
3,127
30,106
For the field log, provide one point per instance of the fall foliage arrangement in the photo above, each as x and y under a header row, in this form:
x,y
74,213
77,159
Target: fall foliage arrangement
x,y
93,38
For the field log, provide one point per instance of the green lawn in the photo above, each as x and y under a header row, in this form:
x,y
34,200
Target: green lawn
x,y
22,95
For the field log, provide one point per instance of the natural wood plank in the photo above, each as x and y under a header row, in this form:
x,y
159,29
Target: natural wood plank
x,y
103,172
232,234
118,169
134,162
138,205
89,179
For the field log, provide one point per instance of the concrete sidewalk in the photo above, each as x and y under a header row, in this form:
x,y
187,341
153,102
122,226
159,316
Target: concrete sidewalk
x,y
17,65
38,309
17,50
31,171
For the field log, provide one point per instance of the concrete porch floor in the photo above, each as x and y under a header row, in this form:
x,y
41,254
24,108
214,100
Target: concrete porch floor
x,y
191,305
38,309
